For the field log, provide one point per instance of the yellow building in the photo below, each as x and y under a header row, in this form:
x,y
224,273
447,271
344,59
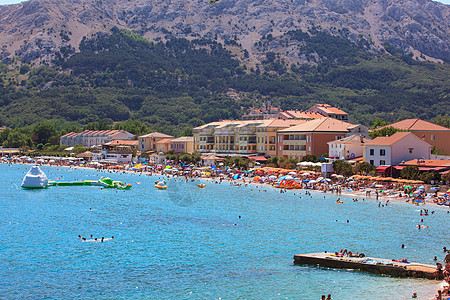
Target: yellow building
x,y
184,144
148,142
240,137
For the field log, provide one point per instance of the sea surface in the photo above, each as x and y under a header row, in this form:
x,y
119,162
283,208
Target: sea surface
x,y
220,242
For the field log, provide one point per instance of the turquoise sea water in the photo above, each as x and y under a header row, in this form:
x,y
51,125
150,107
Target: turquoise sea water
x,y
189,243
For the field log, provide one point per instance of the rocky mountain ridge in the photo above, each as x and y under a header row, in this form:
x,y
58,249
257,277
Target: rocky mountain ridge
x,y
38,31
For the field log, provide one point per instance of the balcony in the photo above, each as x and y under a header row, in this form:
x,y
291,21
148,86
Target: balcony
x,y
296,153
294,142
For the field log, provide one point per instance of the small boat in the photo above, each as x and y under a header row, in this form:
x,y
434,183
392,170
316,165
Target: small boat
x,y
340,201
201,185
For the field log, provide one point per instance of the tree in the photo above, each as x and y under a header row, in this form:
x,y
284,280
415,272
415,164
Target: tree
x,y
386,131
410,172
342,168
378,123
43,131
310,157
133,126
426,176
442,120
364,168
16,140
187,131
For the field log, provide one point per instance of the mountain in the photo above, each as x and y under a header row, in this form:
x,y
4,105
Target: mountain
x,y
41,30
177,65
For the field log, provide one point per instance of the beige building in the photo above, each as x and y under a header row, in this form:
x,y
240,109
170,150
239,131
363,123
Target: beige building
x,y
148,142
89,138
163,145
329,111
241,137
184,144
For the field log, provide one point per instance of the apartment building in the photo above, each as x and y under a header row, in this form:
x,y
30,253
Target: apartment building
x,y
329,111
89,138
148,142
312,136
240,137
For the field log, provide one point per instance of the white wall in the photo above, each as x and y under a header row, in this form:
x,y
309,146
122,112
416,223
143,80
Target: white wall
x,y
400,150
376,157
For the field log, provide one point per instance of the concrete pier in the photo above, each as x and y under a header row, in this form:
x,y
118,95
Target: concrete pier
x,y
368,264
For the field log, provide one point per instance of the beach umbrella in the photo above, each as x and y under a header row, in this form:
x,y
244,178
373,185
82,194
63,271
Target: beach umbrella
x,y
306,180
289,177
421,187
306,174
334,175
434,189
236,176
292,173
408,187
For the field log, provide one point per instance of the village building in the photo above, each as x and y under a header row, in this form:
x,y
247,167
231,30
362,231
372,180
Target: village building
x,y
148,142
427,165
90,138
133,144
401,146
296,114
329,111
163,145
437,136
249,137
312,136
184,144
113,153
350,147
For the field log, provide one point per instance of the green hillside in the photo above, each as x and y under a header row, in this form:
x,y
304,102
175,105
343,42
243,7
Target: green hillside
x,y
181,84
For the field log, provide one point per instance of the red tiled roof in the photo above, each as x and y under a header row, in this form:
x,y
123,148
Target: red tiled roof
x,y
389,140
428,163
123,142
157,135
416,125
164,141
324,124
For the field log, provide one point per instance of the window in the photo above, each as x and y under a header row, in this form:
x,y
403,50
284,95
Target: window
x,y
411,150
279,139
308,139
371,152
280,148
433,137
371,162
309,148
382,162
382,152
